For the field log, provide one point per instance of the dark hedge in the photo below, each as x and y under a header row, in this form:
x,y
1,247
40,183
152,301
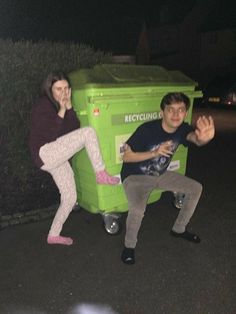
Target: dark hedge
x,y
24,65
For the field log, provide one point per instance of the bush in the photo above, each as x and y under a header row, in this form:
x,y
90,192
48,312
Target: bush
x,y
24,65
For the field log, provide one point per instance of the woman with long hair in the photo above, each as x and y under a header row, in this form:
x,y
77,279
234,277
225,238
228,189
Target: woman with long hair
x,y
55,136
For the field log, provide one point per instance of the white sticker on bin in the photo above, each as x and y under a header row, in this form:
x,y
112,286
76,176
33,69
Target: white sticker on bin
x,y
174,165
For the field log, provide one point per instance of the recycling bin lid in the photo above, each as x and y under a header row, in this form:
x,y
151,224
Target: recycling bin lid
x,y
127,75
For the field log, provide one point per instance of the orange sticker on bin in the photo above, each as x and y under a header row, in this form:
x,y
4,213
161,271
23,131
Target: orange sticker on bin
x,y
96,112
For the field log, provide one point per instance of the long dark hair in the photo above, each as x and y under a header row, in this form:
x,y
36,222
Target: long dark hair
x,y
52,78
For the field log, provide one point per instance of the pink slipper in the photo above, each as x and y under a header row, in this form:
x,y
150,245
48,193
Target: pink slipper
x,y
102,177
59,240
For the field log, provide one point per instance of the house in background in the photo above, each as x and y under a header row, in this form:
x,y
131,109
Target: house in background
x,y
218,42
202,44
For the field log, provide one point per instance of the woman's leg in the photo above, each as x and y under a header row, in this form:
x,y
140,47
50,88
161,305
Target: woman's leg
x,y
56,153
63,176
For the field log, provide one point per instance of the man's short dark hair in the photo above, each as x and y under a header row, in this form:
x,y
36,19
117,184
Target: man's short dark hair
x,y
176,97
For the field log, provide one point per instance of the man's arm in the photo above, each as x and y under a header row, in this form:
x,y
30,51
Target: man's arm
x,y
131,156
204,132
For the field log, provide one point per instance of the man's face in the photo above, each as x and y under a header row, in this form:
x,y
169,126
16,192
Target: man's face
x,y
173,116
60,89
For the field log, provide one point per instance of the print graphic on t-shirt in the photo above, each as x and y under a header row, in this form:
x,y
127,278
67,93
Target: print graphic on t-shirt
x,y
158,165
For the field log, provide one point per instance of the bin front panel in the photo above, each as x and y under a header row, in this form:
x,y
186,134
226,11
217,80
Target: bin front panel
x,y
115,111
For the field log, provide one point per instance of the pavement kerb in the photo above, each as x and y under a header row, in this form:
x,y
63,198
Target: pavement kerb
x,y
27,217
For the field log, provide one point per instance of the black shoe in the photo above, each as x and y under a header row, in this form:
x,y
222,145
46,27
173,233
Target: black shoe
x,y
127,256
187,236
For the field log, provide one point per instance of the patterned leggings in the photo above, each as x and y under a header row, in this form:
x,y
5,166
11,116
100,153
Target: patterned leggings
x,y
55,156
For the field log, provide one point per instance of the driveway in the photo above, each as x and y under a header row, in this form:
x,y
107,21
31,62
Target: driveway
x,y
171,276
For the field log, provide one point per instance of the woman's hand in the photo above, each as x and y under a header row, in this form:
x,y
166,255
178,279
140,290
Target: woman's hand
x,y
68,96
65,100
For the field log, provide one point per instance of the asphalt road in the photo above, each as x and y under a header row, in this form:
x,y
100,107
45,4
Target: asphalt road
x,y
171,276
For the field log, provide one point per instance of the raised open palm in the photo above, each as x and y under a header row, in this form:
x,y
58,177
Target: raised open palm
x,y
205,129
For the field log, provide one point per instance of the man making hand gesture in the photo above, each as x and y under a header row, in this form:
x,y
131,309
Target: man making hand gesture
x,y
147,155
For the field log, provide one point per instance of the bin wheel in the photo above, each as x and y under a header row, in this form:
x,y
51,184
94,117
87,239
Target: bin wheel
x,y
178,200
111,223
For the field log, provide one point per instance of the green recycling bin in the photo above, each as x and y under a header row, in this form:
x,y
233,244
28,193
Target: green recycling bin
x,y
115,100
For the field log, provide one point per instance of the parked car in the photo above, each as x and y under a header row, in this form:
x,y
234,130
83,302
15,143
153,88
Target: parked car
x,y
220,92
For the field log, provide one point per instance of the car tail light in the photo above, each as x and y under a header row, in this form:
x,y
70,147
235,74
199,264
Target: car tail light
x,y
230,99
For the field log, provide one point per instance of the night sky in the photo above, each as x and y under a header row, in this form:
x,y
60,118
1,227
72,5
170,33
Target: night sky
x,y
103,24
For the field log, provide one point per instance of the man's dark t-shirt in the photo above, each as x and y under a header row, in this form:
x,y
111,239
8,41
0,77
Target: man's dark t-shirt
x,y
148,137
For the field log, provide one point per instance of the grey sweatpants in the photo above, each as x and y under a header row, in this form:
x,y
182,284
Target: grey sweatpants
x,y
55,156
138,189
